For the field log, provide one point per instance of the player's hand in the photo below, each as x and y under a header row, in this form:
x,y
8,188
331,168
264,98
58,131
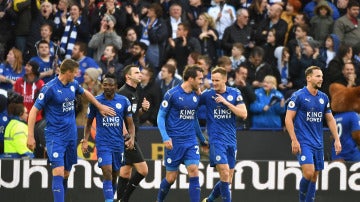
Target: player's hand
x,y
168,144
205,146
129,142
107,111
84,146
220,99
295,147
31,144
337,146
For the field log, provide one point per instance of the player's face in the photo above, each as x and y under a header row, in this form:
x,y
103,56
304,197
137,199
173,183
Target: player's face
x,y
197,81
316,79
71,75
109,87
218,81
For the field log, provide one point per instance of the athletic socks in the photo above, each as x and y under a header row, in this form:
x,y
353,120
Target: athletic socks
x,y
108,190
310,196
58,188
163,191
194,189
215,193
304,187
131,186
225,192
122,183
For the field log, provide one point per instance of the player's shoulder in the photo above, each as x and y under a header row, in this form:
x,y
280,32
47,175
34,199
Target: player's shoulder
x,y
232,89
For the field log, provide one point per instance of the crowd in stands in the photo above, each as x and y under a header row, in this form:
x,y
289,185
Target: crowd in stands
x,y
265,46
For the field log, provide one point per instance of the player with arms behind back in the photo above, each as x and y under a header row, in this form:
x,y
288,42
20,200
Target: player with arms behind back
x,y
304,122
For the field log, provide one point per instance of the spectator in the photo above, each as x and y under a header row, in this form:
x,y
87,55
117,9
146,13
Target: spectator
x,y
172,22
128,40
269,48
76,30
60,16
168,80
29,86
301,37
291,10
258,68
247,91
153,33
38,18
330,49
257,12
16,132
112,9
239,32
193,57
93,85
223,15
237,57
282,55
207,35
269,105
322,22
205,63
135,9
12,69
106,36
182,46
138,55
4,120
346,27
46,31
79,55
22,23
173,62
310,7
273,22
6,32
302,59
193,12
109,64
350,78
299,20
149,90
334,71
46,63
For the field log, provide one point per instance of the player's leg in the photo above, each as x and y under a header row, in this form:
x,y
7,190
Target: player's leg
x,y
107,183
141,171
318,165
166,184
57,184
306,161
194,185
224,172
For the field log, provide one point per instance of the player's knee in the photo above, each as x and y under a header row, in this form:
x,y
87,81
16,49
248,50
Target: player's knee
x,y
309,174
58,171
107,174
125,172
171,177
143,169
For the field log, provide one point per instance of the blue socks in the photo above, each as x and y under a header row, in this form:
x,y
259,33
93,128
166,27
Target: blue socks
x,y
108,190
225,192
304,186
310,196
58,188
215,193
164,190
194,189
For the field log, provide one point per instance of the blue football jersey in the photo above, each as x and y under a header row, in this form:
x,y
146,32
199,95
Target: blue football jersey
x,y
180,108
347,122
109,129
220,120
58,102
310,112
4,120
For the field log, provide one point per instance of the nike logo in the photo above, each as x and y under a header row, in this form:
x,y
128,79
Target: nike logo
x,y
59,91
56,190
307,100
